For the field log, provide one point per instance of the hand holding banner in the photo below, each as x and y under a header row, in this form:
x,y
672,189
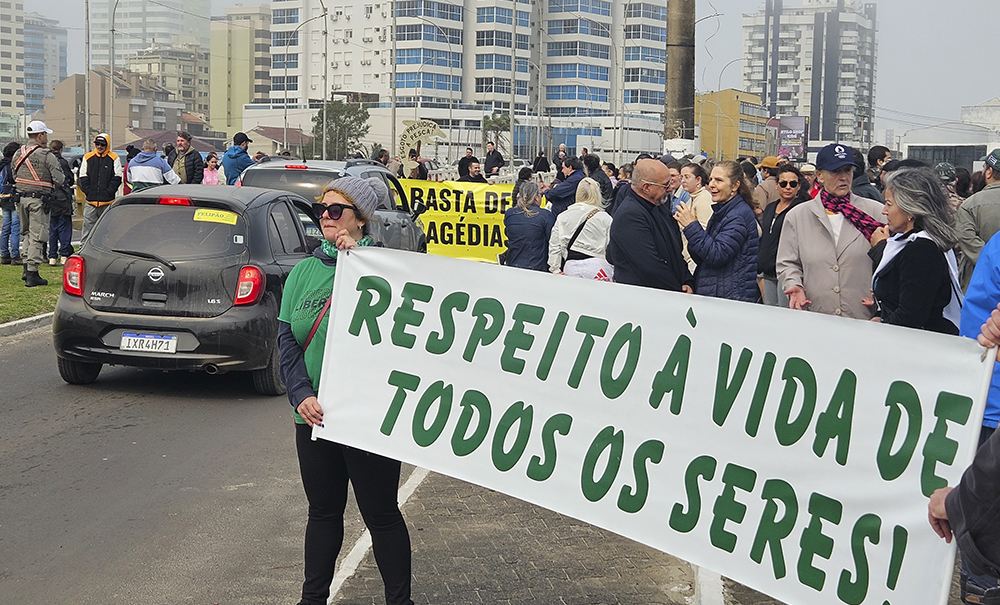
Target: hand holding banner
x,y
776,447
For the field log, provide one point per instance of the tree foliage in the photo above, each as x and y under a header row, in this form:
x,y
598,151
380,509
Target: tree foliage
x,y
496,128
346,125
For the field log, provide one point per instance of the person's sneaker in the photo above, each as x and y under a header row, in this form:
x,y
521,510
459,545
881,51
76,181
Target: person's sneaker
x,y
53,262
16,260
34,279
4,260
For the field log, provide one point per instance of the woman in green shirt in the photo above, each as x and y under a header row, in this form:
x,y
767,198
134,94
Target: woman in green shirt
x,y
344,211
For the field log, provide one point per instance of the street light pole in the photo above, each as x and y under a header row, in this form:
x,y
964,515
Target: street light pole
x,y
111,112
326,72
86,80
513,75
392,84
285,104
451,82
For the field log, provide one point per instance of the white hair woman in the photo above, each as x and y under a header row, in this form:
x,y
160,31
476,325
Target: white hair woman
x,y
581,234
916,276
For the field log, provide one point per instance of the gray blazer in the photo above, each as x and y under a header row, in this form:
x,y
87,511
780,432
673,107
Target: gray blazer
x,y
835,276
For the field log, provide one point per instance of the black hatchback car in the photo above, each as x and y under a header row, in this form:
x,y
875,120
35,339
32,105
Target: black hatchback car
x,y
185,277
397,223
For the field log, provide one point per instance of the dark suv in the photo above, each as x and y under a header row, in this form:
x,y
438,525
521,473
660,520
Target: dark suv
x,y
397,225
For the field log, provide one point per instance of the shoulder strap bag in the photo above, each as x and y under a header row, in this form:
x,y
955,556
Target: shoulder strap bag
x,y
576,234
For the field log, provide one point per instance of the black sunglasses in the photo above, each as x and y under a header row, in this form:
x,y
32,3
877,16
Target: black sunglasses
x,y
788,183
334,211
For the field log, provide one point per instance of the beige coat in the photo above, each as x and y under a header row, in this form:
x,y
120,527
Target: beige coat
x,y
835,276
701,203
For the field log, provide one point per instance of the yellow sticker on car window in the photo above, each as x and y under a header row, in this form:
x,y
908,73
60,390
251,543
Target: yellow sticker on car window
x,y
215,216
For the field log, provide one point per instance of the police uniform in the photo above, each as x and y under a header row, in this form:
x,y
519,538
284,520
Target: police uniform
x,y
35,178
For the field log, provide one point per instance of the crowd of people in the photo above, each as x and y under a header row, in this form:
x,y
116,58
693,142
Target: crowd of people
x,y
883,240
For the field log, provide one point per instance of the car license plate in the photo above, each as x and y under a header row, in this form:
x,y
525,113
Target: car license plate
x,y
151,343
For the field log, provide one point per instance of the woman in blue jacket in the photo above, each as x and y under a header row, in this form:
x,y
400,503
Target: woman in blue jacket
x,y
725,251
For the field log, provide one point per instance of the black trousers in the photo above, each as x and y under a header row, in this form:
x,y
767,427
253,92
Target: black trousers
x,y
326,467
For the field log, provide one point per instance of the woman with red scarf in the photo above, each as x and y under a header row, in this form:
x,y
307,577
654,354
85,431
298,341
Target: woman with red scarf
x,y
823,263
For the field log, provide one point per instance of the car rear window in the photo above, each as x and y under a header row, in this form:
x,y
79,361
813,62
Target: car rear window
x,y
172,232
307,183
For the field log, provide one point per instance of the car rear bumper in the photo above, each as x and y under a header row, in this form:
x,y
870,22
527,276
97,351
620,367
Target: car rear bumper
x,y
242,338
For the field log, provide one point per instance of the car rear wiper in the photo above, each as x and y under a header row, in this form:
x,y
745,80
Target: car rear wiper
x,y
148,255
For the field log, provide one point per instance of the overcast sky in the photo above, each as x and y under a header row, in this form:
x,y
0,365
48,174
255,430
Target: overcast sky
x,y
932,55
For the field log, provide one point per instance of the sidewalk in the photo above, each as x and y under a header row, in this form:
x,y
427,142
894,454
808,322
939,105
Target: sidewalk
x,y
474,545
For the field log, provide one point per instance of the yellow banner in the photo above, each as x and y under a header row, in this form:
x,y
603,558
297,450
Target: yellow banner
x,y
463,220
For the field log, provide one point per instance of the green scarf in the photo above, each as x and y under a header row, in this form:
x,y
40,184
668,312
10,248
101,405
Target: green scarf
x,y
330,248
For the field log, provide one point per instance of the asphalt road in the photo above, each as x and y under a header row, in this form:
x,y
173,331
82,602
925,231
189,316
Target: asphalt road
x,y
145,487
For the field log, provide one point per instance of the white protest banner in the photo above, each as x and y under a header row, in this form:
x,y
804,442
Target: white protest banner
x,y
791,451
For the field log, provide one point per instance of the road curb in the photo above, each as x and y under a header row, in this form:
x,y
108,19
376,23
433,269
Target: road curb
x,y
27,324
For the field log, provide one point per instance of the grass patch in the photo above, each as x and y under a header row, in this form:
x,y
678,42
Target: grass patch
x,y
18,302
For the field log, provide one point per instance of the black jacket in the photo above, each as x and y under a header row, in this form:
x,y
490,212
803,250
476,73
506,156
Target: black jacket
x,y
607,189
194,166
915,287
6,185
862,187
479,178
771,222
102,177
493,160
541,164
463,165
645,246
974,510
62,198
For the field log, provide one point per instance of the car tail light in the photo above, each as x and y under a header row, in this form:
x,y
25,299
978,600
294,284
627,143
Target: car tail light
x,y
238,183
296,166
175,201
249,287
73,276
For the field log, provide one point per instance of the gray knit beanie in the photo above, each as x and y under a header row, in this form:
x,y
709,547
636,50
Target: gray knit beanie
x,y
363,193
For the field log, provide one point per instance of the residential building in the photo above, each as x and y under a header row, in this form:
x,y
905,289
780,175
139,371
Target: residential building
x,y
985,114
140,102
817,59
733,124
44,59
141,24
12,58
182,69
272,140
240,64
576,67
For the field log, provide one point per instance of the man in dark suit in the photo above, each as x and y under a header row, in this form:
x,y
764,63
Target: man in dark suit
x,y
562,195
645,245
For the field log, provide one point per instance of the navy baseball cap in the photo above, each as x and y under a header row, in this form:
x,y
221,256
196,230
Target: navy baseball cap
x,y
834,156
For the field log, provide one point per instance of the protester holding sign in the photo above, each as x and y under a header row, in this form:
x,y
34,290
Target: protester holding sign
x,y
916,276
725,252
580,236
344,212
528,230
822,261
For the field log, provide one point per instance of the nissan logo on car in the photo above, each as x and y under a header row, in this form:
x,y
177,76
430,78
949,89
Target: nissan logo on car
x,y
155,274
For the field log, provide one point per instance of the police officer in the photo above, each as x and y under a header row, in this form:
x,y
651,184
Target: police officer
x,y
36,175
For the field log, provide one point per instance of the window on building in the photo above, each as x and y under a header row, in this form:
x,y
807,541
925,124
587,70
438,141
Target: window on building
x,y
281,83
284,15
284,38
287,61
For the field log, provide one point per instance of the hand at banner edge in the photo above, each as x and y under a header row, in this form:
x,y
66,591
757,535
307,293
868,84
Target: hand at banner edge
x,y
937,514
311,411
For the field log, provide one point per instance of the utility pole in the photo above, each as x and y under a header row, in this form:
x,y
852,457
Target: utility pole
x,y
680,70
513,76
392,83
326,71
86,78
